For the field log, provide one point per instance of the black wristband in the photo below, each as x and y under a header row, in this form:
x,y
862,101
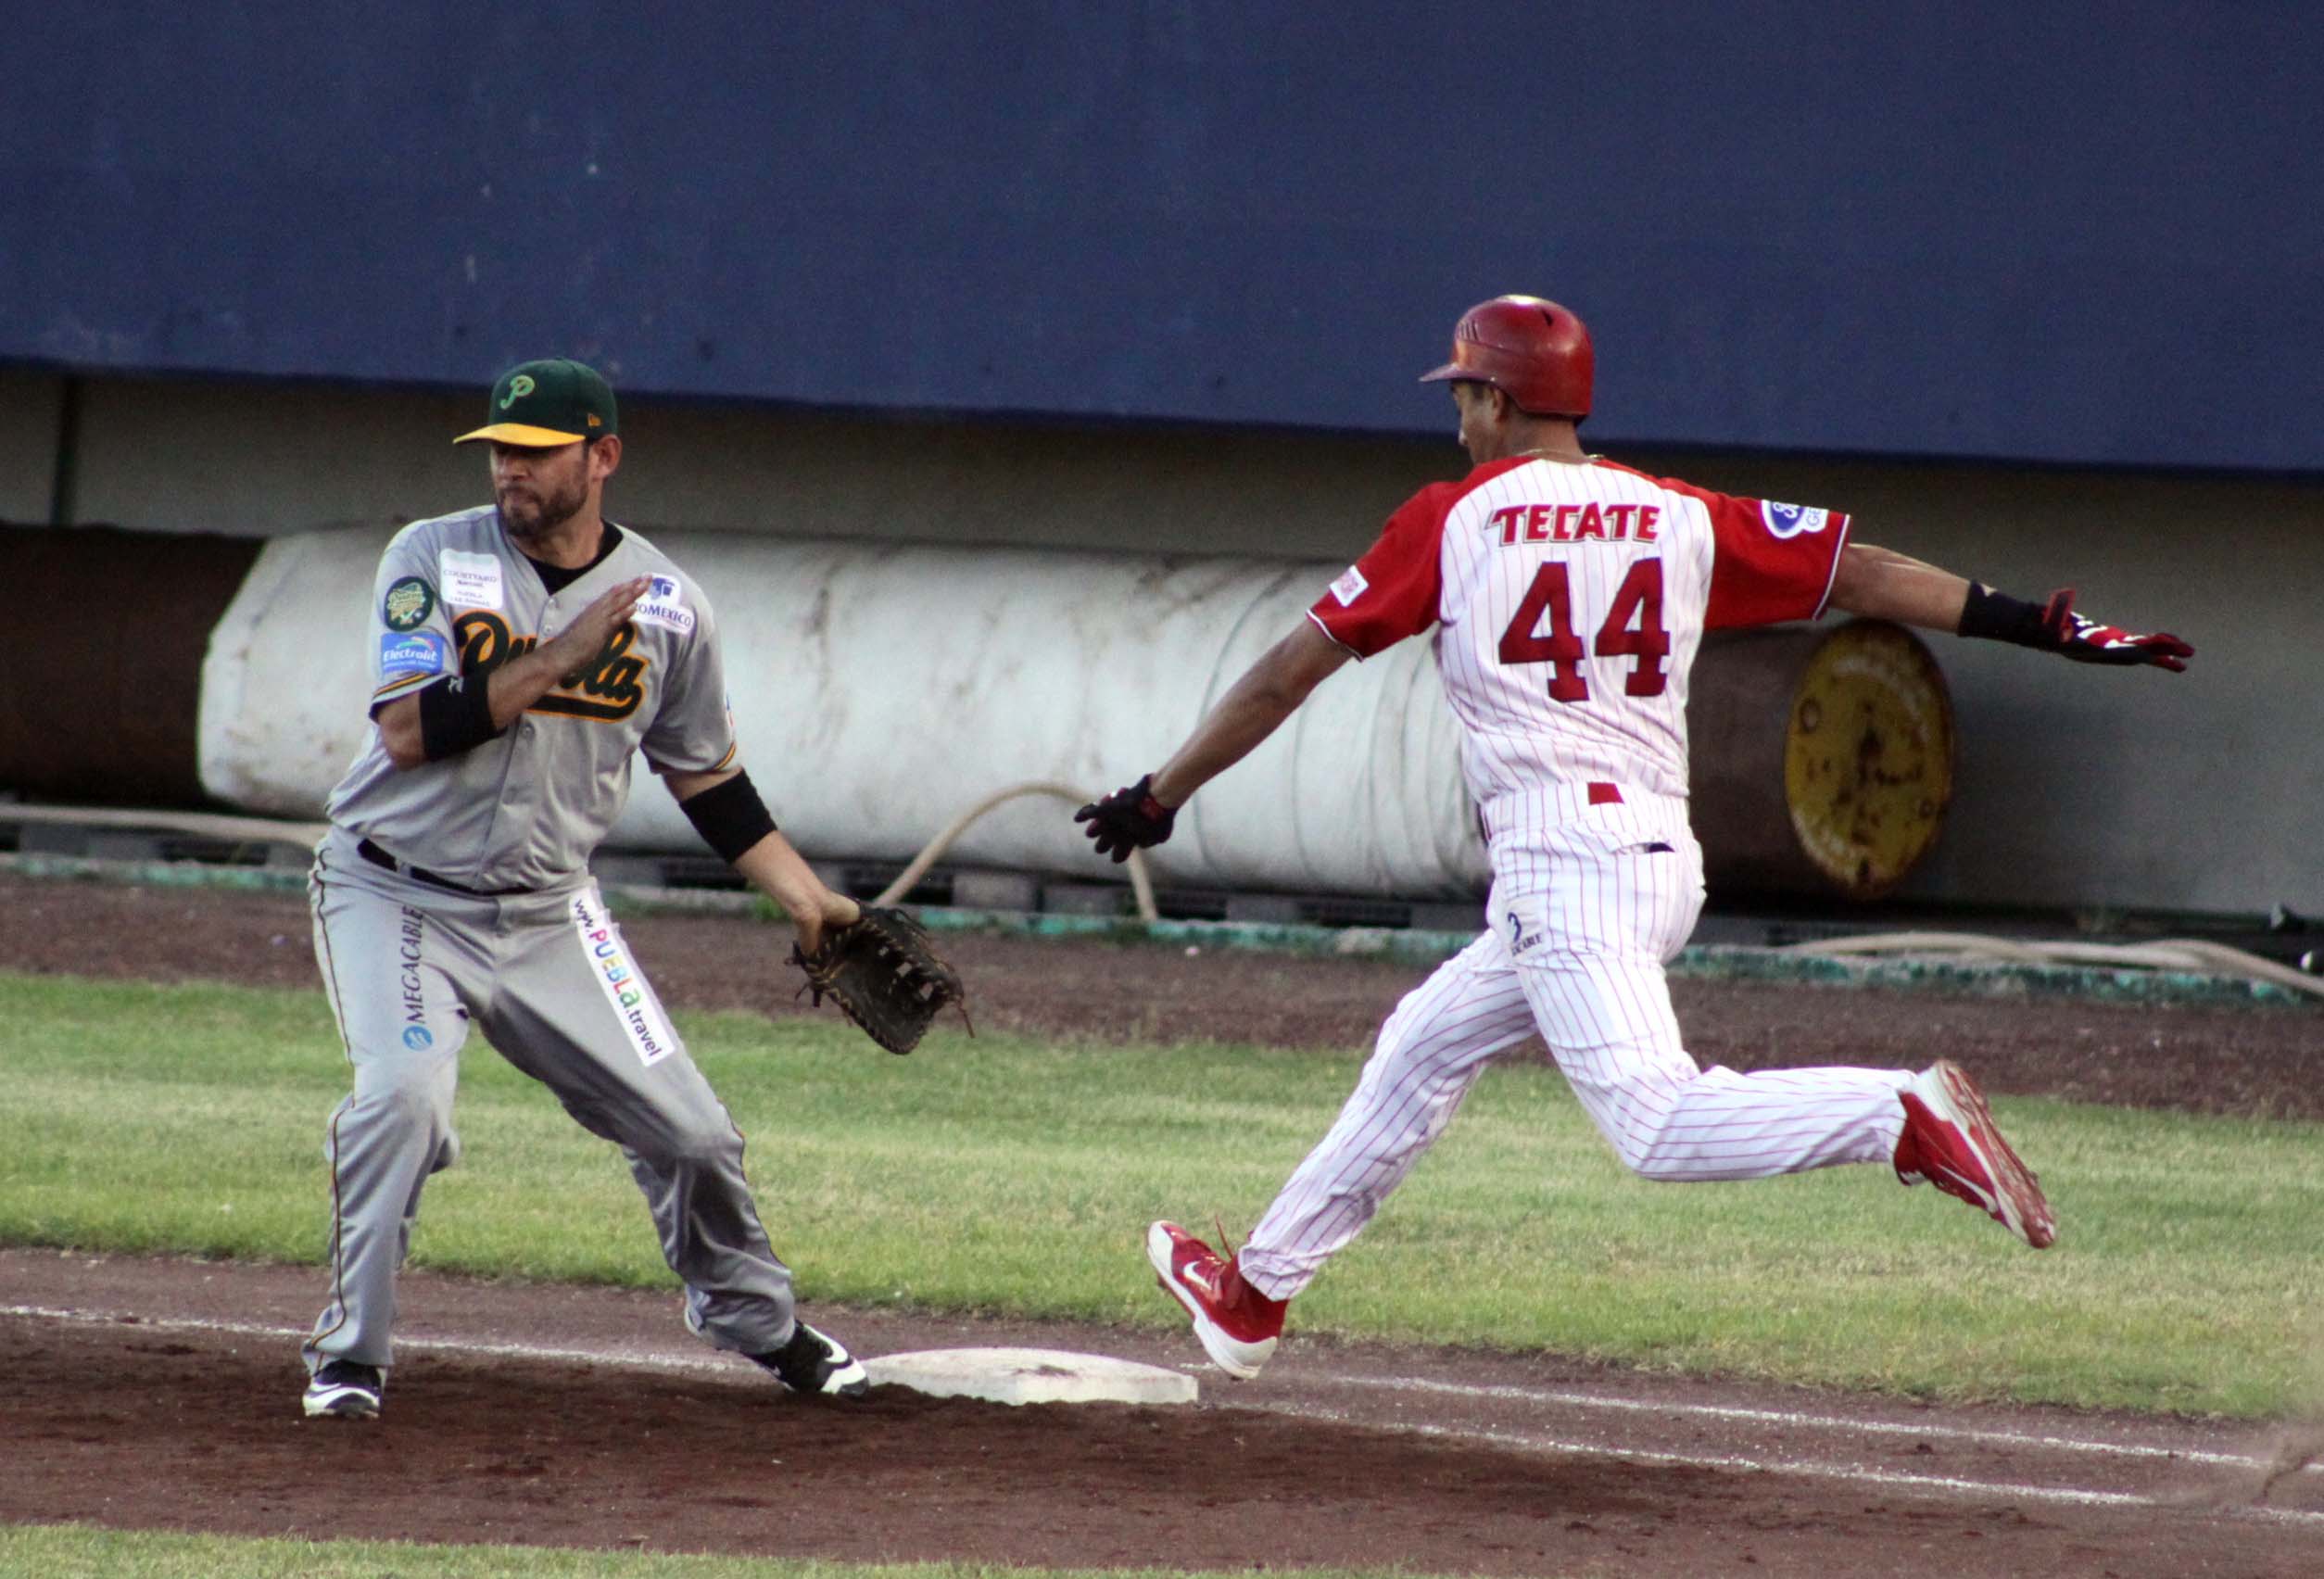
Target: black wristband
x,y
729,816
1997,616
455,717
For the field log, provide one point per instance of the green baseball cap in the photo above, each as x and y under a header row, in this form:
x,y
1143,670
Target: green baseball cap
x,y
542,405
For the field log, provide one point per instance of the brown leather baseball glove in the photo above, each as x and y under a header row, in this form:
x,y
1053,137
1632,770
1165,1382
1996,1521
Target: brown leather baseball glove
x,y
885,975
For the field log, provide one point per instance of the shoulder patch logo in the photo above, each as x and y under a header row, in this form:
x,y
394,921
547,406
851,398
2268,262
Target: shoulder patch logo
x,y
1791,519
1350,587
415,653
408,604
669,616
662,606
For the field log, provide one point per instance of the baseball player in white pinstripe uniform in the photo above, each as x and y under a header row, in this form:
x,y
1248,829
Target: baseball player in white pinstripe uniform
x,y
1568,596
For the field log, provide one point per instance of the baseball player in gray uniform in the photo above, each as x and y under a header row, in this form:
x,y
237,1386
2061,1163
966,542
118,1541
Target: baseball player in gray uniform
x,y
523,652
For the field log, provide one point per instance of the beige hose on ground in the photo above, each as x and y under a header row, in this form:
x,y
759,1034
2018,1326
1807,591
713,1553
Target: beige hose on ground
x,y
2174,953
1140,884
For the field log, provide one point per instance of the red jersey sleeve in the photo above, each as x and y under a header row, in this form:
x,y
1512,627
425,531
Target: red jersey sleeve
x,y
1770,562
1393,591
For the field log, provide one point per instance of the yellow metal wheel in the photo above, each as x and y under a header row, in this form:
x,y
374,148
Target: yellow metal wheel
x,y
1868,756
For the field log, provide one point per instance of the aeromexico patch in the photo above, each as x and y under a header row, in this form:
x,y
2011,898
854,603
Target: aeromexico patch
x,y
665,605
408,604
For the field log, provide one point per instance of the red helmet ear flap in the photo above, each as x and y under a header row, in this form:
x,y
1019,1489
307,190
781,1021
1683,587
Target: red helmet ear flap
x,y
1534,352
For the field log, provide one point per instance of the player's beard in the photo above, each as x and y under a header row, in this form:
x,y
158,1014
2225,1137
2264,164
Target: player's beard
x,y
533,512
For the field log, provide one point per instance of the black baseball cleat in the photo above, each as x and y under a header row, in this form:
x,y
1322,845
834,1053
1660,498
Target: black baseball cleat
x,y
809,1362
340,1389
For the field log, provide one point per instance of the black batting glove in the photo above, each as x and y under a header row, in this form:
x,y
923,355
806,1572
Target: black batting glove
x,y
1130,818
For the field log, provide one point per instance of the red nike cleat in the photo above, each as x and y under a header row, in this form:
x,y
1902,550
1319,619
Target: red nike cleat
x,y
1950,1141
1237,1324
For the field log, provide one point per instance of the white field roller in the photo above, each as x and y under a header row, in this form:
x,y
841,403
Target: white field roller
x,y
882,689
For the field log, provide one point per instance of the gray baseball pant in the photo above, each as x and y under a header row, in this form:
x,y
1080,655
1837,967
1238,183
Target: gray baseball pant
x,y
549,979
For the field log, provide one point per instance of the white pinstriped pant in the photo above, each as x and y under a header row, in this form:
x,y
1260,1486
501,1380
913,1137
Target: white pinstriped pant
x,y
1582,920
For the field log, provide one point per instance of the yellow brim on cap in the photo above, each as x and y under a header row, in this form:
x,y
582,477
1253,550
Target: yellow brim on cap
x,y
520,433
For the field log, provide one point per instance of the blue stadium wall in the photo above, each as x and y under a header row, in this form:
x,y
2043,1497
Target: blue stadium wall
x,y
2079,234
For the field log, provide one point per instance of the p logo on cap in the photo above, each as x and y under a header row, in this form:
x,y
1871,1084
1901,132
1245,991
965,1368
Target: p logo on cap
x,y
543,405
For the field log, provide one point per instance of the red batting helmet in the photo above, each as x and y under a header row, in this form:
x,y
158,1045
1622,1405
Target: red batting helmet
x,y
1534,352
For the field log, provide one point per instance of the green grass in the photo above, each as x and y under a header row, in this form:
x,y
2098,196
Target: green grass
x,y
61,1551
1011,1175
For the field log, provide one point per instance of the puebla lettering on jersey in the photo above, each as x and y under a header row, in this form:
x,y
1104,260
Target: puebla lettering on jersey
x,y
1588,523
606,688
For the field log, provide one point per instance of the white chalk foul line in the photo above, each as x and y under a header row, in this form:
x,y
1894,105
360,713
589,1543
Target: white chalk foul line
x,y
1816,1468
631,1358
642,1360
1805,1422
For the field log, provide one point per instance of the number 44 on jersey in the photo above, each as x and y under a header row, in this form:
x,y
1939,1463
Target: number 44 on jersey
x,y
1632,629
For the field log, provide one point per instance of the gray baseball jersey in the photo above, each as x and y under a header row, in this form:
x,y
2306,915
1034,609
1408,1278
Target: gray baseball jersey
x,y
525,810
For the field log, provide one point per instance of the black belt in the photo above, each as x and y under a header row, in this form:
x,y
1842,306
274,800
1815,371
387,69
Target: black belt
x,y
379,857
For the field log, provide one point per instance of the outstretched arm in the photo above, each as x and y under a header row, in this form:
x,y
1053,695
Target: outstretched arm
x,y
733,821
1254,707
1881,584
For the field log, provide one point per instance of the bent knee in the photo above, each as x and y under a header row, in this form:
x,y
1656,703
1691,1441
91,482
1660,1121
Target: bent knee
x,y
410,1102
700,1146
1637,1125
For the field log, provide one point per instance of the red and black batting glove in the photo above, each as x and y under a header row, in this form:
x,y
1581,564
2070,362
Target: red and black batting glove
x,y
1130,818
2056,627
2085,641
